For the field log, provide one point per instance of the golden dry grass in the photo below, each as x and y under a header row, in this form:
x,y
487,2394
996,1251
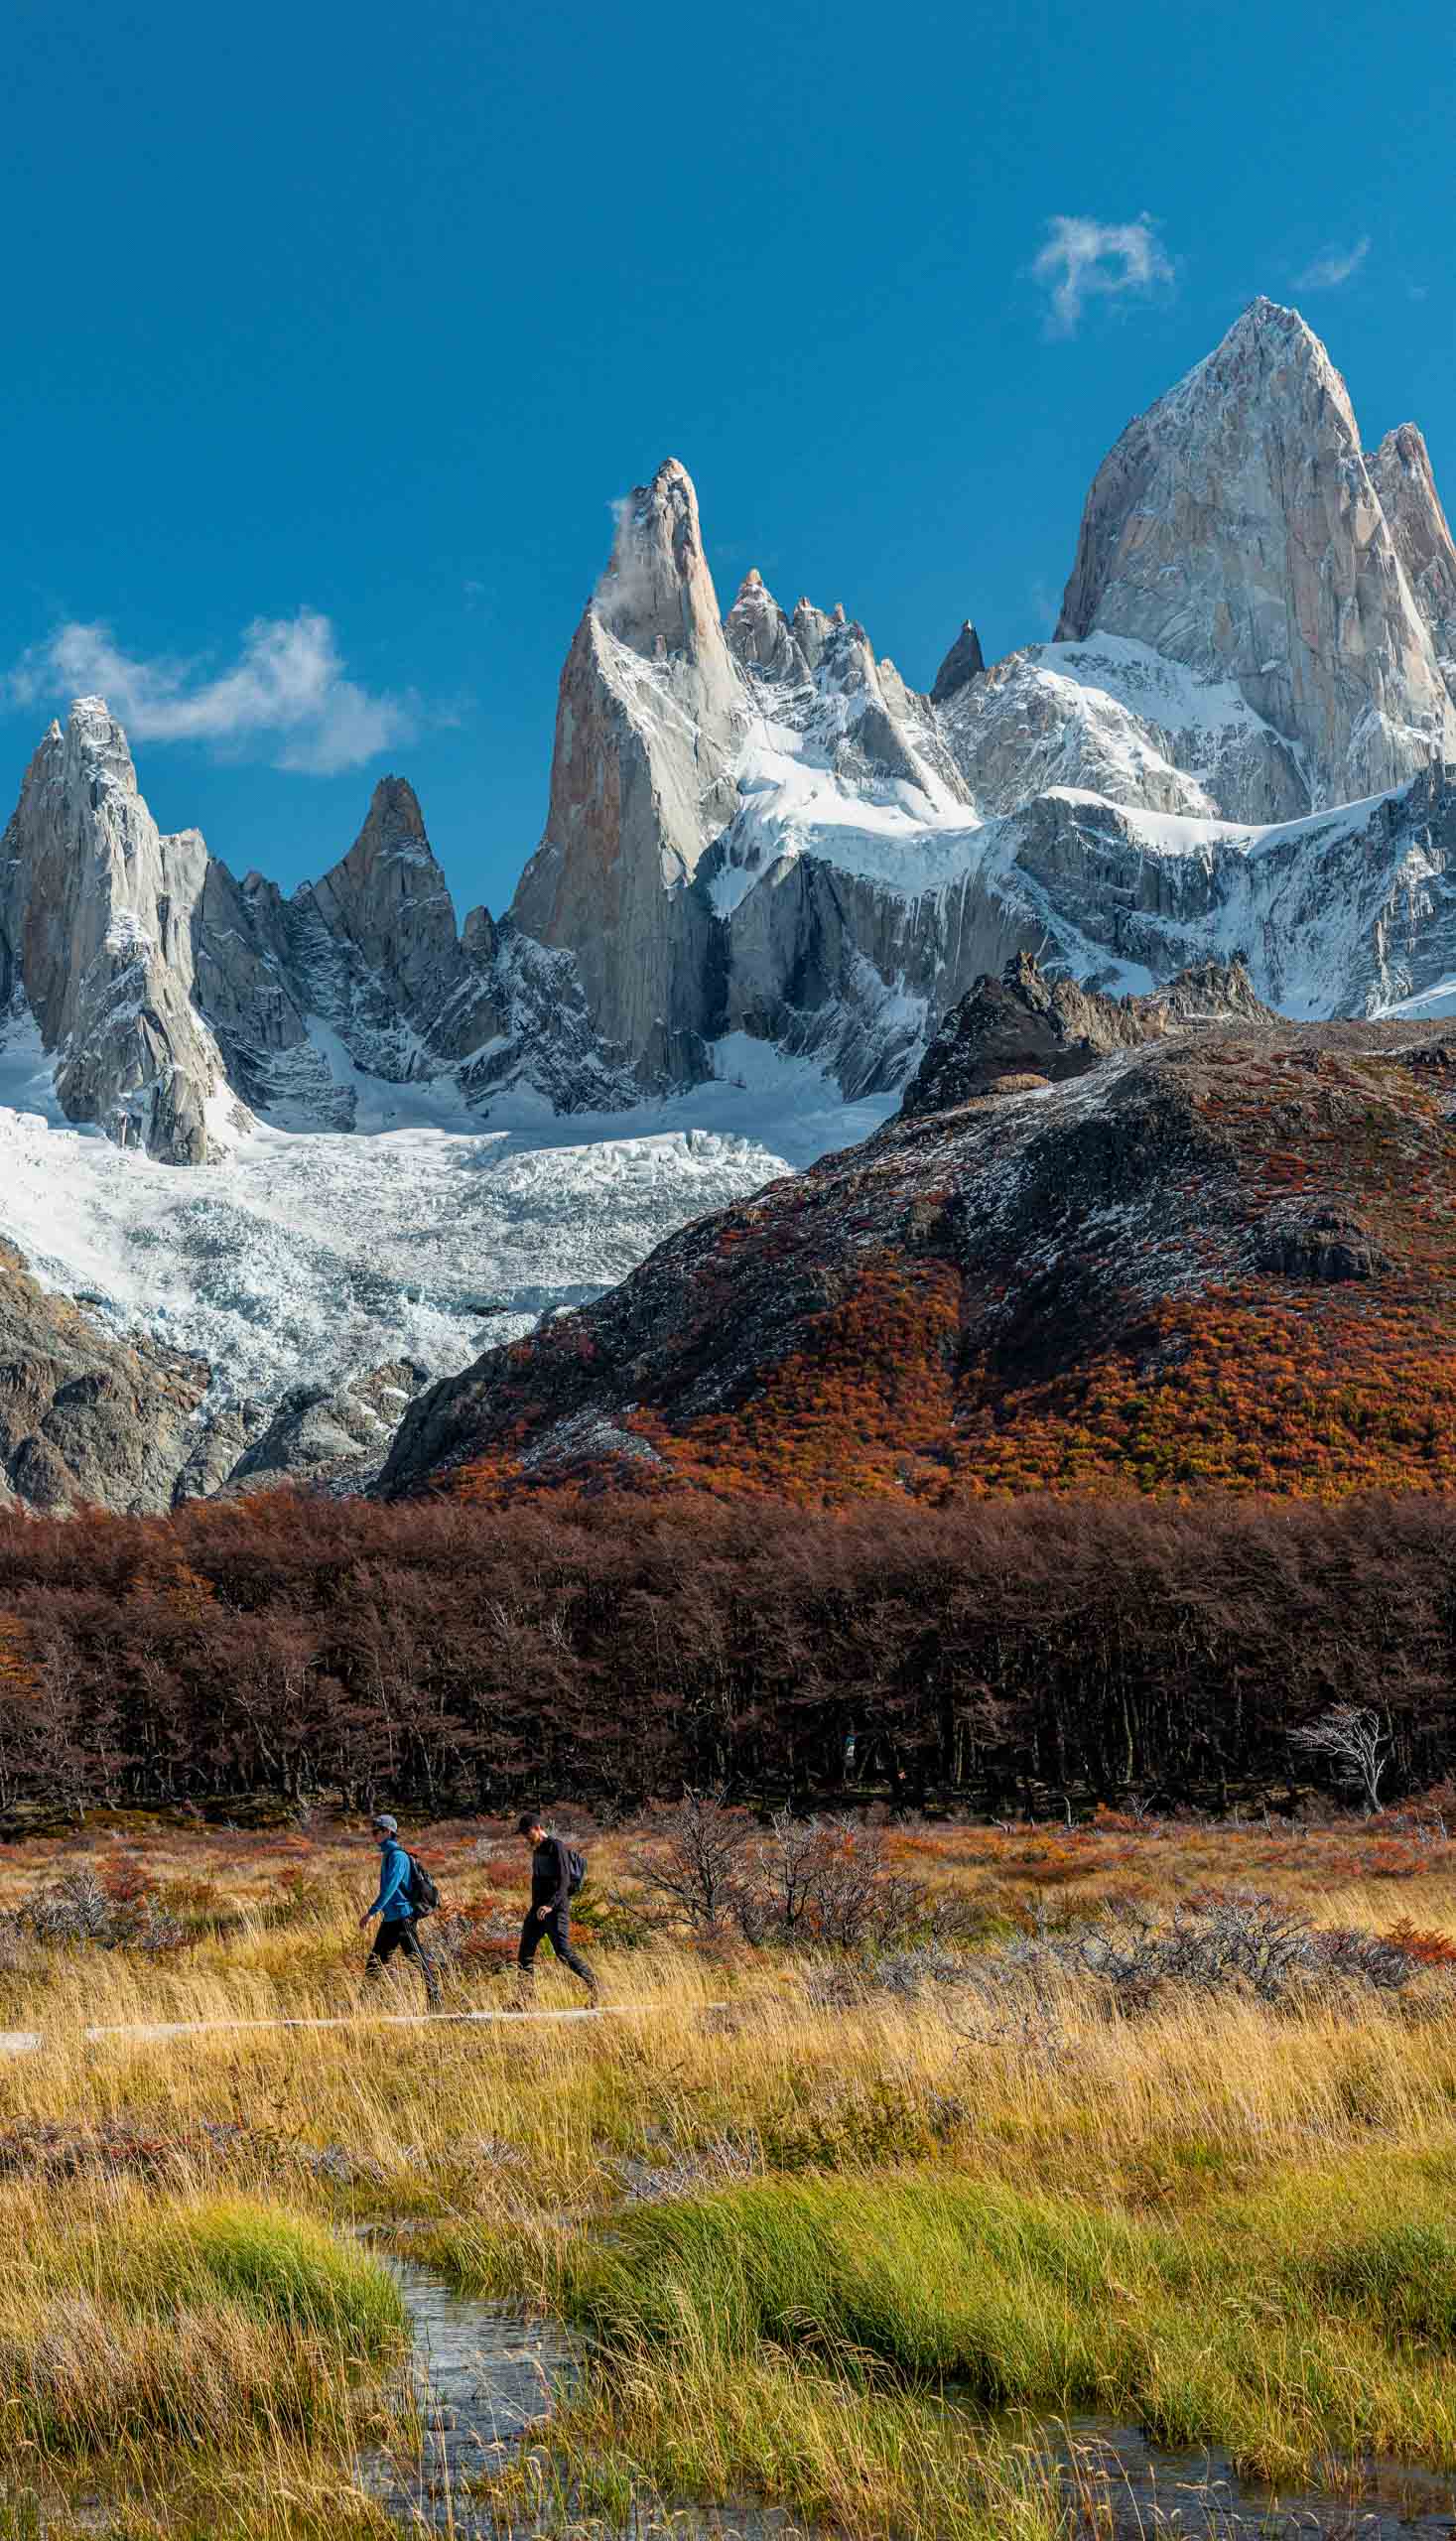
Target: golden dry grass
x,y
506,2148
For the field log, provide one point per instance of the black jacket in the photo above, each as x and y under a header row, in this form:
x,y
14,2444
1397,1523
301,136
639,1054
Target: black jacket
x,y
551,1878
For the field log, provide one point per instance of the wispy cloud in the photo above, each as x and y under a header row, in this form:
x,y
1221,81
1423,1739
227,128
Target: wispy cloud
x,y
286,690
1046,607
1084,259
1331,266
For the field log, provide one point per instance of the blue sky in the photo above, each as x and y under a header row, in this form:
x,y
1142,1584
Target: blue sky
x,y
332,332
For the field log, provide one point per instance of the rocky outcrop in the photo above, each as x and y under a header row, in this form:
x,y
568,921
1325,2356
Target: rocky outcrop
x,y
319,1434
759,636
1400,473
1113,718
1322,1244
91,1420
1026,1028
173,1001
1235,528
97,911
376,945
88,1419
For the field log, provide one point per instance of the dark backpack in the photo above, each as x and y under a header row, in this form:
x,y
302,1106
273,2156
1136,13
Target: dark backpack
x,y
575,1870
422,1892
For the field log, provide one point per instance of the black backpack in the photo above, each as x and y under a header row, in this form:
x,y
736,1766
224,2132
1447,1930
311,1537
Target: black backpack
x,y
422,1892
575,1870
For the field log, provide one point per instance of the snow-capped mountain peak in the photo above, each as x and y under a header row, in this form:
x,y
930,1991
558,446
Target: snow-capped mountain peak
x,y
1236,527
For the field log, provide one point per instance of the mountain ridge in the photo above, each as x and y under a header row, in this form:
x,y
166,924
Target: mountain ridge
x,y
756,826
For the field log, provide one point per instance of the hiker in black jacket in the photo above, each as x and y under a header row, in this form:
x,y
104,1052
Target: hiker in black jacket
x,y
548,1916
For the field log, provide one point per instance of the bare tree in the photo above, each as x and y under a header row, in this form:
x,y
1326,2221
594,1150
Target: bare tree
x,y
693,1856
1357,1743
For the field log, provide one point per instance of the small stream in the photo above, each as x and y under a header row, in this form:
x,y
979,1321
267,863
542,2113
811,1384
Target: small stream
x,y
484,2376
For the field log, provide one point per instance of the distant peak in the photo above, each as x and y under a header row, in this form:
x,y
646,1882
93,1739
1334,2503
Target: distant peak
x,y
657,593
1264,312
1268,322
92,731
1408,442
395,806
964,662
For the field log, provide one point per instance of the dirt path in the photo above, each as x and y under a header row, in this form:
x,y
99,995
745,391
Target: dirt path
x,y
27,2042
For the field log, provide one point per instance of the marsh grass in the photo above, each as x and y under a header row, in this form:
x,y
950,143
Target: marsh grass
x,y
129,2320
1230,2221
1311,2317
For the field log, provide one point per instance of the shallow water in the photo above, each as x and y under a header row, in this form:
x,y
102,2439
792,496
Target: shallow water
x,y
1135,2488
482,2378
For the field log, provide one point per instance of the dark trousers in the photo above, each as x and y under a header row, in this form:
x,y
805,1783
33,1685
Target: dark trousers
x,y
401,1934
556,1929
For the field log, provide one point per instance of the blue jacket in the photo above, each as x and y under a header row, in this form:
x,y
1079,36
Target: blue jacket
x,y
393,1900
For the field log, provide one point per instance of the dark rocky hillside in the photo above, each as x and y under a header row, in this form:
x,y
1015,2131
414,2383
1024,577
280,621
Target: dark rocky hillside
x,y
1164,1241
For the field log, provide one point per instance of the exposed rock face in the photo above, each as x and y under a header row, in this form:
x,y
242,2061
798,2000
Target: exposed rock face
x,y
376,943
317,1435
97,919
89,1419
1343,914
1322,1244
759,636
1026,1028
1237,529
757,825
963,663
648,724
1110,717
1400,473
85,1419
175,999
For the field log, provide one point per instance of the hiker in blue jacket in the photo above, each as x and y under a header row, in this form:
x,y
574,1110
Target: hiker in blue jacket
x,y
548,1916
398,1922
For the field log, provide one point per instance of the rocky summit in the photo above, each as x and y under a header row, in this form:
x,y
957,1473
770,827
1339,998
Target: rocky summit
x,y
1229,783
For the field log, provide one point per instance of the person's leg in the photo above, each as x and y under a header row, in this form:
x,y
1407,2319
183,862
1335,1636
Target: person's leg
x,y
410,1943
386,1943
557,1930
531,1938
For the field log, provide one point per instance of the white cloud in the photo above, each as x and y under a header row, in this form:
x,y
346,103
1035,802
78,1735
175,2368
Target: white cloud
x,y
1333,266
1083,259
287,689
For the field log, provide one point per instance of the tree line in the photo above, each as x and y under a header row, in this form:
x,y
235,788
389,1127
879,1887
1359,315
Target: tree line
x,y
1005,1656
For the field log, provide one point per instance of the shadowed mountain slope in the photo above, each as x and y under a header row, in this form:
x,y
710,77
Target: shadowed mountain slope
x,y
1168,1241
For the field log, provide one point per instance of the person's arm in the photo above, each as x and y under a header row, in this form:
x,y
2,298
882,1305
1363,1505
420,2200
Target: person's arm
x,y
394,1872
563,1874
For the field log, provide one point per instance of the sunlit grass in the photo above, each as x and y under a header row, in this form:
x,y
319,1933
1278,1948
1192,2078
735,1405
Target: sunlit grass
x,y
1231,2222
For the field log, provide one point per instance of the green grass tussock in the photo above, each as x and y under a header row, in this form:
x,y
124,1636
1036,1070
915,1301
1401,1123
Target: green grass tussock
x,y
129,2322
1313,2317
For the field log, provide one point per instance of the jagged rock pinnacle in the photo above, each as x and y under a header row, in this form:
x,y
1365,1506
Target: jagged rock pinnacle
x,y
964,661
